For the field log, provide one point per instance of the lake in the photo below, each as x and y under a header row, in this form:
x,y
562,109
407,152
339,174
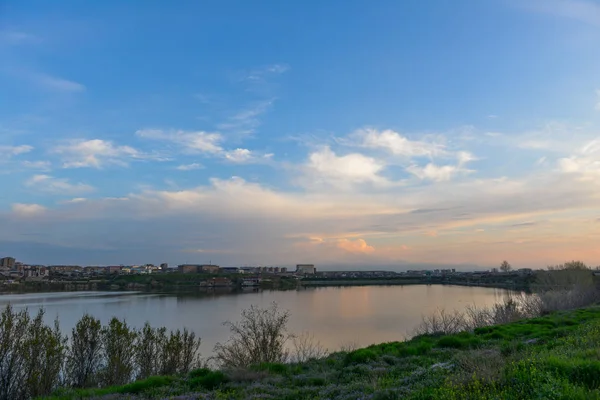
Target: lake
x,y
337,316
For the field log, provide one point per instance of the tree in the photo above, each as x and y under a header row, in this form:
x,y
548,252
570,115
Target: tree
x,y
118,341
505,266
85,354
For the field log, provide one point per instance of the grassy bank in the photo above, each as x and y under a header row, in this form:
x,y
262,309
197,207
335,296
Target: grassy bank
x,y
552,357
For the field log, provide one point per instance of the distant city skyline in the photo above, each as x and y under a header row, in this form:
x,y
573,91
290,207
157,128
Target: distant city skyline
x,y
378,134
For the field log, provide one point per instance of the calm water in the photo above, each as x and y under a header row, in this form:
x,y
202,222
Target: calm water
x,y
336,316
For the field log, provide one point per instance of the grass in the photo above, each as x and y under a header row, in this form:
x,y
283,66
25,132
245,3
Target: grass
x,y
552,357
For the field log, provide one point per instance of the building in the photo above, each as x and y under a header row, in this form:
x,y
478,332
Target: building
x,y
7,263
198,268
35,272
525,271
232,270
94,270
65,269
188,269
211,269
221,282
306,269
114,269
164,267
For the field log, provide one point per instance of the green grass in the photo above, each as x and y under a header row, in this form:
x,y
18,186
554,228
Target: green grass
x,y
553,357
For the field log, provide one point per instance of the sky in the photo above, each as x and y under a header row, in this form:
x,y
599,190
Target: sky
x,y
348,134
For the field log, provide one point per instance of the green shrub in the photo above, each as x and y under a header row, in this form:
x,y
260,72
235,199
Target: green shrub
x,y
578,371
273,368
452,342
360,356
210,381
146,384
199,372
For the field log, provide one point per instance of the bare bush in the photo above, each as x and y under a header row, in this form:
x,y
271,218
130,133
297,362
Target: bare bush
x,y
485,365
347,347
441,322
85,353
306,348
260,336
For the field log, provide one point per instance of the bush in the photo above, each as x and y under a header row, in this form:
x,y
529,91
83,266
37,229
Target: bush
x,y
274,368
452,342
259,337
360,356
209,381
145,385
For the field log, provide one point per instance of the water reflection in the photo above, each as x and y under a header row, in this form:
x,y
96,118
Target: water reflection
x,y
336,316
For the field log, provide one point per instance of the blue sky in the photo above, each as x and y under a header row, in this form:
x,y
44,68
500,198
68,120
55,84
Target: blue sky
x,y
361,133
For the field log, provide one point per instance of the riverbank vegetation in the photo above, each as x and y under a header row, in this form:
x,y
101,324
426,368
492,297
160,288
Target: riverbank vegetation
x,y
543,345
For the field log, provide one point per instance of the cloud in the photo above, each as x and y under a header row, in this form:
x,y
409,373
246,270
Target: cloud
x,y
355,246
239,155
585,163
15,150
41,165
97,153
27,210
260,74
434,172
352,168
270,226
13,38
190,141
396,143
585,11
190,167
52,185
59,84
246,121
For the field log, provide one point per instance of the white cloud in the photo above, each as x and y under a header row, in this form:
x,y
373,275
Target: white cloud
x,y
41,165
465,157
434,172
191,141
96,153
27,210
324,164
239,155
260,74
52,185
190,167
246,121
59,84
397,144
15,150
586,162
277,68
16,37
586,11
